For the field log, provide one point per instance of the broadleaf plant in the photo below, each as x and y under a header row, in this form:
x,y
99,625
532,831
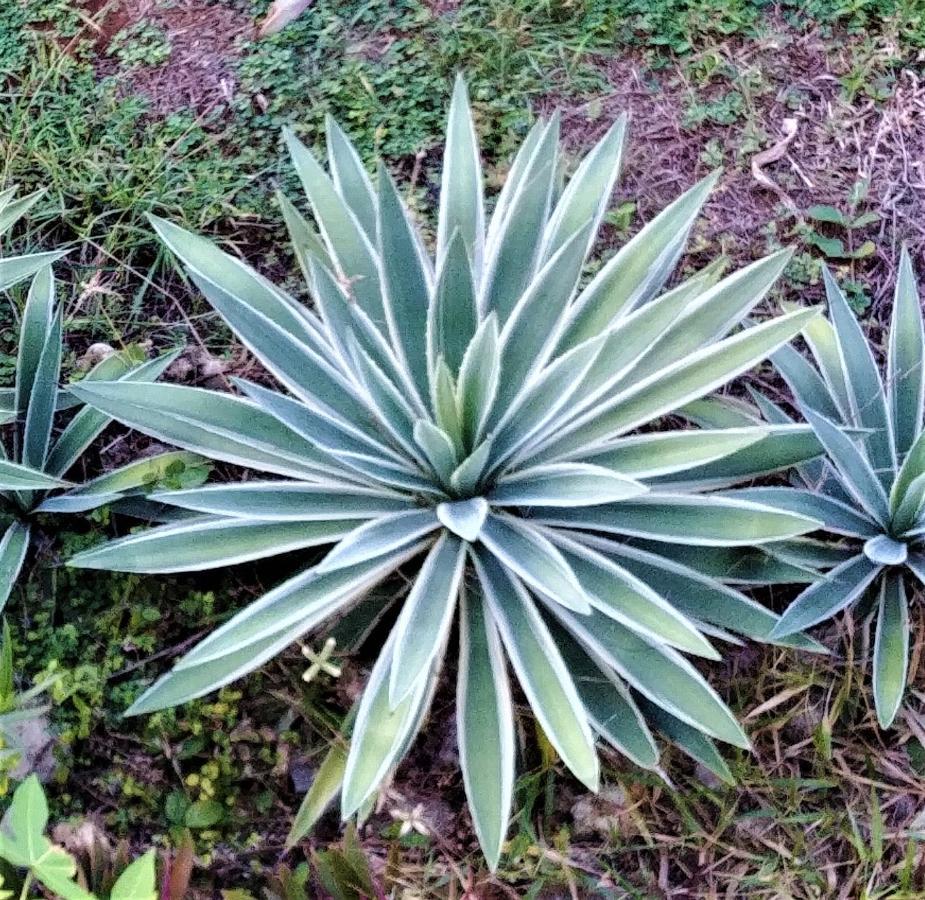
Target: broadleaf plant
x,y
474,418
870,488
36,455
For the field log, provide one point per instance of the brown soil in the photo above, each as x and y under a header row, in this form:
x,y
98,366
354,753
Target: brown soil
x,y
203,37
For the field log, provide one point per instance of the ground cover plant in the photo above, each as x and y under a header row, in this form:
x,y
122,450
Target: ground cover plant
x,y
120,109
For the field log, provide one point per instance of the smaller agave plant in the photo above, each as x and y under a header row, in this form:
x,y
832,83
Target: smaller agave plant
x,y
870,487
35,454
479,419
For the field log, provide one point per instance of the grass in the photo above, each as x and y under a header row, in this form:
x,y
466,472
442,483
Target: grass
x,y
827,806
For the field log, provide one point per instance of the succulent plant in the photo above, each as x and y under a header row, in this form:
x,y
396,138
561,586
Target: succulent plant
x,y
477,420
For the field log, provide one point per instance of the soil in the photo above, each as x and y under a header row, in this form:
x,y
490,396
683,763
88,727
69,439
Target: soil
x,y
203,37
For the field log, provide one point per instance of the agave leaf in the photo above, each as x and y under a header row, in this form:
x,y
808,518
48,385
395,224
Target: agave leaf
x,y
443,403
382,535
690,740
350,177
587,195
906,359
285,501
864,382
516,229
465,478
684,519
534,559
564,484
346,242
438,448
305,242
909,512
464,518
530,333
485,724
40,413
424,622
16,477
208,543
217,425
710,315
405,280
823,342
610,708
638,270
479,375
669,452
461,205
37,317
911,470
807,386
11,211
820,601
452,317
693,594
13,547
891,649
89,423
853,467
835,515
659,673
540,670
621,595
681,382
380,734
14,269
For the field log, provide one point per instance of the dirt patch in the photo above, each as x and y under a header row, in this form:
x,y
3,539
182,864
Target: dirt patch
x,y
837,143
199,39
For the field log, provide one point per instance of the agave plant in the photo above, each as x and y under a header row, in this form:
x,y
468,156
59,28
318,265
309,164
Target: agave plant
x,y
871,487
475,419
35,457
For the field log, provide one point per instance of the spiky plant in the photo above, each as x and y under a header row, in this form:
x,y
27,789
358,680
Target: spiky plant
x,y
870,489
470,419
34,456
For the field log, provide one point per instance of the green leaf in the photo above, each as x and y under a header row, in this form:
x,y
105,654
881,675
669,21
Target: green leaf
x,y
43,397
564,484
14,269
217,425
452,317
836,516
680,383
138,880
383,535
380,734
37,317
540,670
13,547
479,375
438,448
885,550
891,649
659,673
281,501
820,601
516,228
204,814
587,195
461,205
346,242
853,467
485,724
468,474
305,242
325,786
638,270
350,177
190,546
405,281
906,359
533,558
426,615
703,520
864,382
